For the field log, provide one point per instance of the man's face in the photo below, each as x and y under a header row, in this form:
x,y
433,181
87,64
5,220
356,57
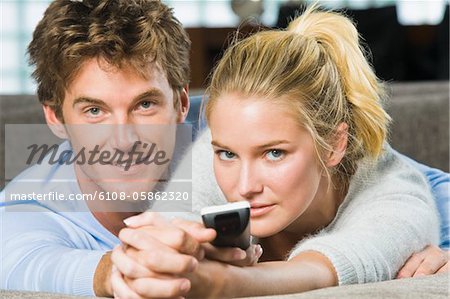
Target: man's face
x,y
117,111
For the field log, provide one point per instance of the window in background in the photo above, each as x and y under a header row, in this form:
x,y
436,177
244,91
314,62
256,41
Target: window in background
x,y
19,17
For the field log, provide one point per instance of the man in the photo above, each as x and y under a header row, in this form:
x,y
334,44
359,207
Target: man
x,y
106,72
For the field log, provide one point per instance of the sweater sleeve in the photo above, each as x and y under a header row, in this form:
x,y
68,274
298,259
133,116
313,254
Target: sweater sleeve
x,y
388,215
40,252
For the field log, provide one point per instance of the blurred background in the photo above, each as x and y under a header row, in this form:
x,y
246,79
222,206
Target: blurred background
x,y
409,39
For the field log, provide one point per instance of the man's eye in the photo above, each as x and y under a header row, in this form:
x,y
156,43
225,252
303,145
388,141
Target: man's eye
x,y
145,104
226,155
94,111
275,154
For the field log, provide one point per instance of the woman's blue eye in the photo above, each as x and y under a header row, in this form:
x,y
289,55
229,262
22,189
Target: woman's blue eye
x,y
275,154
226,155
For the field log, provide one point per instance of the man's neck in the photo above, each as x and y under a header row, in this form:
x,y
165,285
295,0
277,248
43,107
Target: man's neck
x,y
113,221
109,213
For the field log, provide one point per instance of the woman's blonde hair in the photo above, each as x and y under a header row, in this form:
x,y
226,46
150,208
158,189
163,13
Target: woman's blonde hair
x,y
318,69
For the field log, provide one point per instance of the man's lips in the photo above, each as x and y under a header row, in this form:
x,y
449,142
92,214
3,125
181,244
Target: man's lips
x,y
129,167
124,162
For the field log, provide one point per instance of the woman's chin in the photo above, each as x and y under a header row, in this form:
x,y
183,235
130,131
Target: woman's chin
x,y
262,232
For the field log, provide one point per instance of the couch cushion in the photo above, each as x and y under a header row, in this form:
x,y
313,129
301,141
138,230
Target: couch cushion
x,y
420,128
427,287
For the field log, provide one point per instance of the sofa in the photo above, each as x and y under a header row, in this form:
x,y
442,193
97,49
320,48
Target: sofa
x,y
420,129
427,287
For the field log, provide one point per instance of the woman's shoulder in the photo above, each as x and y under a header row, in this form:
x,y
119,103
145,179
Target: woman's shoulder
x,y
389,173
389,179
388,185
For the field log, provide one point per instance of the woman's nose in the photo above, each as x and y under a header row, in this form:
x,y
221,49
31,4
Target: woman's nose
x,y
249,181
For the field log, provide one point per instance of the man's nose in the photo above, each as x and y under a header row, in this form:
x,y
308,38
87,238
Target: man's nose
x,y
124,136
249,181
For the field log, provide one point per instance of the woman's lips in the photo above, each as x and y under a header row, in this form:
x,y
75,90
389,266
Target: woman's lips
x,y
260,210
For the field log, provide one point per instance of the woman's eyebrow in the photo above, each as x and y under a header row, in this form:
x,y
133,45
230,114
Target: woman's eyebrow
x,y
266,145
272,143
215,143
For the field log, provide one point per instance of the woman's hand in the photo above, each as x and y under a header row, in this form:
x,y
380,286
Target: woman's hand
x,y
234,256
157,255
196,230
429,261
211,279
230,255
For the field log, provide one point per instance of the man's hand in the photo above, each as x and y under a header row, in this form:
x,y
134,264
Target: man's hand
x,y
429,261
154,257
102,283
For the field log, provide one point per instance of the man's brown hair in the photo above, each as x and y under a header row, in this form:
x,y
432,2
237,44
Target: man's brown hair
x,y
124,33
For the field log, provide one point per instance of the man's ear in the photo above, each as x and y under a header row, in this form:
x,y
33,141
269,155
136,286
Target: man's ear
x,y
183,104
339,145
54,123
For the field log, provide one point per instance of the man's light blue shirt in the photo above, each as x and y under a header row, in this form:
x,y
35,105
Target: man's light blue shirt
x,y
439,182
50,246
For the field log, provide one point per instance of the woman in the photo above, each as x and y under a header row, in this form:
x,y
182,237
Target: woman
x,y
298,131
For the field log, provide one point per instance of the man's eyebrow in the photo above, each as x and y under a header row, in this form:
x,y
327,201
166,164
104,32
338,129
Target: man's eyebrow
x,y
151,93
88,100
154,93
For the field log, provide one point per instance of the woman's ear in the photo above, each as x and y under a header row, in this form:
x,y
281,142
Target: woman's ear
x,y
54,123
339,145
183,104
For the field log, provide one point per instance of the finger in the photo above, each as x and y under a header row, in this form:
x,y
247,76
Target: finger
x,y
410,266
128,266
260,252
444,269
257,254
120,288
253,254
224,254
146,238
146,218
161,288
196,229
163,261
431,264
139,239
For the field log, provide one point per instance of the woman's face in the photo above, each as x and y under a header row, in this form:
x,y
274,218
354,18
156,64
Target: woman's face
x,y
263,156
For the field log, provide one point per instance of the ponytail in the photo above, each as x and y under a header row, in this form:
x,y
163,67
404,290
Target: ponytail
x,y
338,37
